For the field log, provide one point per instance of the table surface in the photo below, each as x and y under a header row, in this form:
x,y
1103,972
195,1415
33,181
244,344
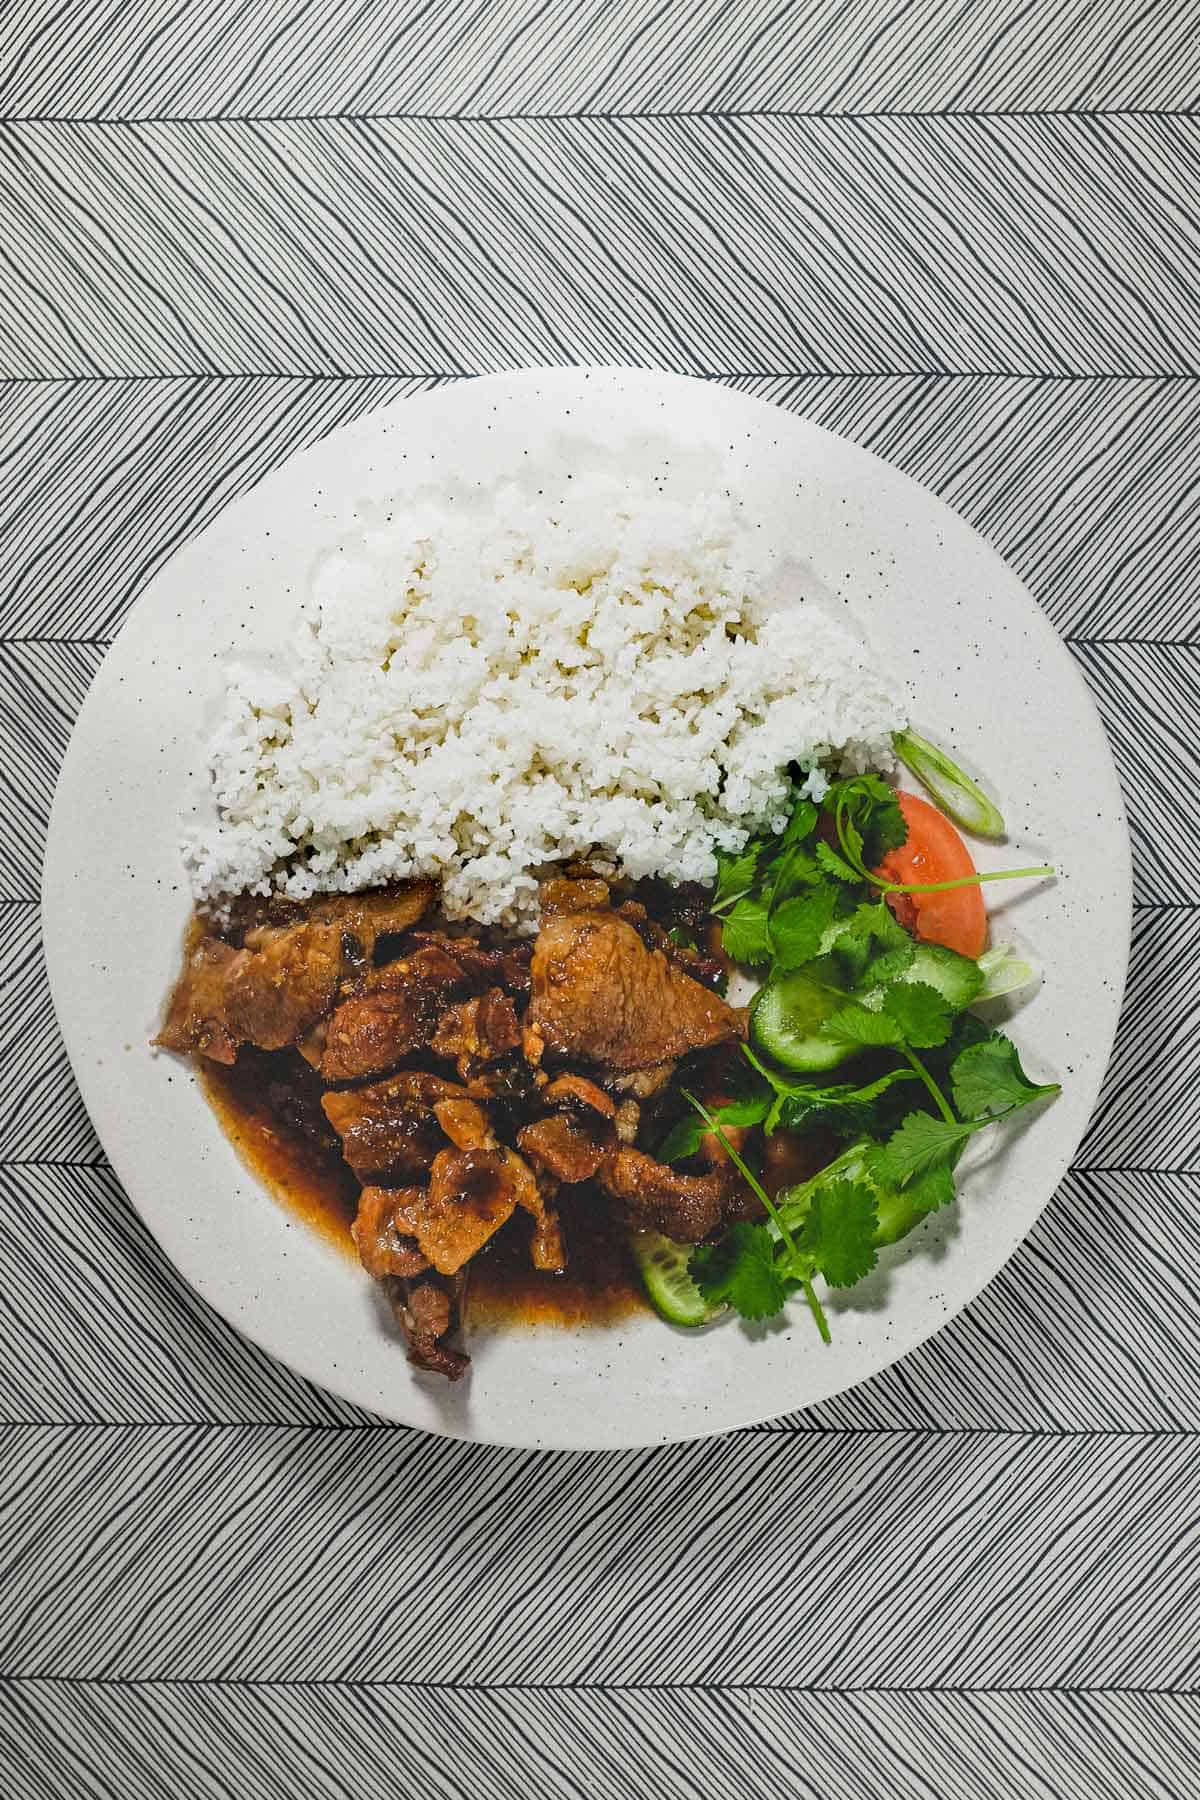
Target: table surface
x,y
967,237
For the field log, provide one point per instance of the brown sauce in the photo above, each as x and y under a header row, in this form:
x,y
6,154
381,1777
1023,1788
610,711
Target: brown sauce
x,y
268,1105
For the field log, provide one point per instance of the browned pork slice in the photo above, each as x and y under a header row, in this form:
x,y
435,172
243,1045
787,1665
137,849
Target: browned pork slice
x,y
546,1248
392,1012
383,1231
655,1197
276,989
385,912
567,1149
483,965
466,1124
566,1088
428,1309
270,997
471,1194
274,996
562,894
601,994
388,1130
196,1010
479,1030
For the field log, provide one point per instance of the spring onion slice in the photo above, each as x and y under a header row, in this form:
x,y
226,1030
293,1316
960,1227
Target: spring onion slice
x,y
957,795
1003,972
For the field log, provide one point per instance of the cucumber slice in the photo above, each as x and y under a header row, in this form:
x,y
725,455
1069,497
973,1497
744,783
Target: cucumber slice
x,y
663,1267
788,1014
957,979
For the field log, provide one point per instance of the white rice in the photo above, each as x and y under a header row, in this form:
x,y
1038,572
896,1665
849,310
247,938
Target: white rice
x,y
477,693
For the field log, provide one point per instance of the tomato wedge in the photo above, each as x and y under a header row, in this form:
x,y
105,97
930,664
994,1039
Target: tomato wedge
x,y
935,852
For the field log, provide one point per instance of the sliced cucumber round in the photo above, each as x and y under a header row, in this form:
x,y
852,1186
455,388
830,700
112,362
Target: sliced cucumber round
x,y
663,1267
788,1014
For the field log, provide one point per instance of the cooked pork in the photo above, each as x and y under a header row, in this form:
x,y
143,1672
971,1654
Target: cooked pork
x,y
392,1012
479,1030
658,1198
383,1231
578,1087
565,1050
385,912
561,895
465,1123
471,1194
566,1149
196,1010
389,1130
275,995
427,1310
600,994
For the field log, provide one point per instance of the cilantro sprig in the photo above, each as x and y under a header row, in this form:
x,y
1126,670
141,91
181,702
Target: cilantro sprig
x,y
869,822
874,1192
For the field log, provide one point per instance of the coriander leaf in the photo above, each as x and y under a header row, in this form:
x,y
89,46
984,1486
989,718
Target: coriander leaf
x,y
687,1133
798,926
868,928
839,1232
801,824
736,873
889,828
875,923
988,1078
840,1107
740,1271
889,967
921,1145
745,933
868,817
858,1025
926,1193
835,865
795,869
968,1029
902,1209
683,1139
920,1012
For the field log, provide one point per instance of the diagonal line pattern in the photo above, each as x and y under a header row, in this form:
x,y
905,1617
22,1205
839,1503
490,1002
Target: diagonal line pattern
x,y
214,58
1031,245
571,1744
901,1544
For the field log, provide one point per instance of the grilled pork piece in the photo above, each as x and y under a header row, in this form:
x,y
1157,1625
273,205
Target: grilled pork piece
x,y
428,1309
478,1031
567,1149
472,1193
281,982
656,1197
393,1011
196,1010
388,1130
599,993
383,1231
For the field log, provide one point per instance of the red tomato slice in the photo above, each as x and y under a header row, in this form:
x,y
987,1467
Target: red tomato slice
x,y
935,852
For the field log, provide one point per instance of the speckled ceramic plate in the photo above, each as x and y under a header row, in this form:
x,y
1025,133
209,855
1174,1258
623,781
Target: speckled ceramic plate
x,y
942,609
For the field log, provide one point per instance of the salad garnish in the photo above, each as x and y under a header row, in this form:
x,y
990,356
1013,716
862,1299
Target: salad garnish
x,y
846,982
960,798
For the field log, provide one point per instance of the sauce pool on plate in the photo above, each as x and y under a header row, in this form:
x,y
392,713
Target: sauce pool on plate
x,y
263,1103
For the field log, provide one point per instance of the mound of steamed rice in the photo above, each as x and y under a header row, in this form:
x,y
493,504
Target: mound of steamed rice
x,y
477,693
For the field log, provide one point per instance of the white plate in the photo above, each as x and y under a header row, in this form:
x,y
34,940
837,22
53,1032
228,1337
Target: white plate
x,y
942,610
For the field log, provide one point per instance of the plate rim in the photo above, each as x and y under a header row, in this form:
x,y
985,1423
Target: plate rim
x,y
56,858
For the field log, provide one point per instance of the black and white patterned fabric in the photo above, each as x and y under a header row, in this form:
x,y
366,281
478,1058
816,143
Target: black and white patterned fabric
x,y
967,236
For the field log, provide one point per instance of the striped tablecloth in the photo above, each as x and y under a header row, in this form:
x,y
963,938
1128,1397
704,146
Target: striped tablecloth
x,y
965,235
